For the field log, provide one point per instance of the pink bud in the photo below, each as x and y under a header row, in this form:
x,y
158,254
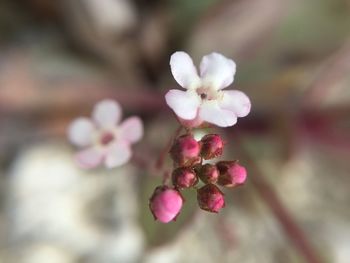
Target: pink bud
x,y
210,198
184,177
212,146
165,204
208,173
185,150
231,173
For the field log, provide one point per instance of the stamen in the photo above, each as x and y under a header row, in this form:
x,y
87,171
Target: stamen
x,y
106,138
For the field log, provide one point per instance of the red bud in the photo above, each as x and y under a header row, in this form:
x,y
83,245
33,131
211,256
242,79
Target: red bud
x,y
184,177
212,146
185,151
231,173
208,173
165,204
210,198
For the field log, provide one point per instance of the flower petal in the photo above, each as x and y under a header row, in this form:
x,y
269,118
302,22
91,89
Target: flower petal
x,y
107,113
131,129
80,132
183,70
184,104
118,154
89,158
217,70
212,113
236,101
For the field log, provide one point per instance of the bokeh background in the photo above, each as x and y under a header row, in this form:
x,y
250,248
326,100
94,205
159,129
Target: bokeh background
x,y
58,58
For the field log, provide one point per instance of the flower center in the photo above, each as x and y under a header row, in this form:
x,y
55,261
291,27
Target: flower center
x,y
207,93
106,138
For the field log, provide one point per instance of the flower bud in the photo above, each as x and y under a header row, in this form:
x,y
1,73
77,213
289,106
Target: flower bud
x,y
185,151
165,204
184,177
212,146
231,173
210,198
208,173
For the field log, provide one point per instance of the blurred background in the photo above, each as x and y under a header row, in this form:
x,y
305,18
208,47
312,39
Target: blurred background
x,y
58,58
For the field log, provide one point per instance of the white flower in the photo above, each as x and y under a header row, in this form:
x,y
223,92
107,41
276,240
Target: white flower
x,y
103,140
204,100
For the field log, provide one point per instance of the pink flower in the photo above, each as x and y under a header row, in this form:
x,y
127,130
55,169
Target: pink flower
x,y
165,204
102,139
204,100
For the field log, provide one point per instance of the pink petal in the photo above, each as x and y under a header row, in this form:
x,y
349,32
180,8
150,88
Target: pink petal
x,y
107,113
217,70
236,101
131,129
118,154
184,104
212,113
80,132
183,70
89,158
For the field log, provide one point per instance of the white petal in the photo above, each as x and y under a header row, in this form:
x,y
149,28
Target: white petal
x,y
118,154
80,132
217,70
89,158
131,129
107,113
184,104
235,101
212,113
183,70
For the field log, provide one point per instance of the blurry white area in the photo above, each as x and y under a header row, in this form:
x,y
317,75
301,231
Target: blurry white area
x,y
246,239
168,254
306,185
93,215
112,16
340,235
40,253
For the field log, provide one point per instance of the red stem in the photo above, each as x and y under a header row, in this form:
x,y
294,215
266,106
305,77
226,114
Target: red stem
x,y
160,161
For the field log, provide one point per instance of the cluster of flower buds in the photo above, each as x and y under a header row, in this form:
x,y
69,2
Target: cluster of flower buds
x,y
188,155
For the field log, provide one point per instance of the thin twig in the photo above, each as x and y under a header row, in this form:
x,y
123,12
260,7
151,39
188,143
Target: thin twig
x,y
290,226
160,161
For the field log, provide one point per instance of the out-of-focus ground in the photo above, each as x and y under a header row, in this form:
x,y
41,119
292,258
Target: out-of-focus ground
x,y
57,58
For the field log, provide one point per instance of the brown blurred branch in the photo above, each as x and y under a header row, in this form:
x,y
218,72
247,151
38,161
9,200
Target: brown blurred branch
x,y
290,226
71,97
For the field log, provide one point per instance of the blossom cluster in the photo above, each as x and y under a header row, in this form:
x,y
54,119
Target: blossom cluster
x,y
189,156
203,103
